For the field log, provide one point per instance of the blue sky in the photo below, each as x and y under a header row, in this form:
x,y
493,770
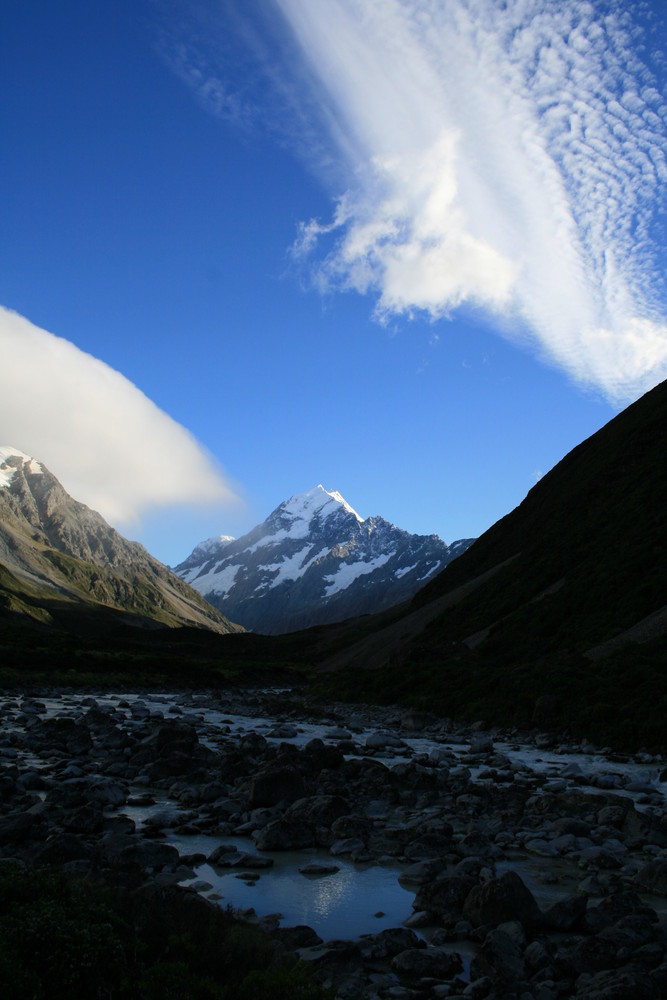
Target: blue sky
x,y
408,249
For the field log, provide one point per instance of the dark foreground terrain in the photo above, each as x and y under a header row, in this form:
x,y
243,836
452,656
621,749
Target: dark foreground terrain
x,y
539,869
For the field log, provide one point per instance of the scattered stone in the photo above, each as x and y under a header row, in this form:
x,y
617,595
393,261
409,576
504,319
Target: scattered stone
x,y
319,869
449,816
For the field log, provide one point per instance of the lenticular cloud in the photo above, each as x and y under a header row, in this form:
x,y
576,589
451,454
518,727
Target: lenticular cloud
x,y
111,446
509,156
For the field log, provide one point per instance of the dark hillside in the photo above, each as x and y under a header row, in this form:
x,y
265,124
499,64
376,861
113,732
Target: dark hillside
x,y
564,599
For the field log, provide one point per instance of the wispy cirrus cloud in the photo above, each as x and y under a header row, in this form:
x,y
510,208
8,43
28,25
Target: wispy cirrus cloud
x,y
111,447
510,156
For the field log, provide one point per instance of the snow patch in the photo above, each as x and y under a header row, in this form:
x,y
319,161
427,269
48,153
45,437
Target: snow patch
x,y
7,474
319,555
405,569
431,571
349,572
217,581
212,545
289,568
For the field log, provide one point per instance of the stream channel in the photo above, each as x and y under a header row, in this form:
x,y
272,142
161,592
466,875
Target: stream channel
x,y
360,897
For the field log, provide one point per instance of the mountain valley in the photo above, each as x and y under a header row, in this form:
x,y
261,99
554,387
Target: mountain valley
x,y
555,617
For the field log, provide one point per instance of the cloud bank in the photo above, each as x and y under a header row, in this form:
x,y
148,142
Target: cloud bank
x,y
110,446
507,156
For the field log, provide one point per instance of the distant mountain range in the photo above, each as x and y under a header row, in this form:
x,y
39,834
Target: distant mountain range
x,y
56,555
314,560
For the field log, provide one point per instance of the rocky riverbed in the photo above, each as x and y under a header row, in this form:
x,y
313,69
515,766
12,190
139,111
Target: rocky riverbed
x,y
521,867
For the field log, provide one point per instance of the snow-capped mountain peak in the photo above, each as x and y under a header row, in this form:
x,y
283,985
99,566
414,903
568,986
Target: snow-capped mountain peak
x,y
318,502
8,467
314,560
214,544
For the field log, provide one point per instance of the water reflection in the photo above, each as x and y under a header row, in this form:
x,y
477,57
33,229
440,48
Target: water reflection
x,y
344,904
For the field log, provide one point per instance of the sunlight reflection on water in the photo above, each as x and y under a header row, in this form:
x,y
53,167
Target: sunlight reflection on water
x,y
340,905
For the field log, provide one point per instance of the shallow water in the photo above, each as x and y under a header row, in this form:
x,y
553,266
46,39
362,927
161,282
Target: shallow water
x,y
357,899
344,904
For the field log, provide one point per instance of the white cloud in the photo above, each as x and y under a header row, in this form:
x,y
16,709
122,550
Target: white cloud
x,y
506,155
110,446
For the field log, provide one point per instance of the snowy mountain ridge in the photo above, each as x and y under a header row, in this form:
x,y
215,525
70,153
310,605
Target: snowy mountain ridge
x,y
314,560
8,469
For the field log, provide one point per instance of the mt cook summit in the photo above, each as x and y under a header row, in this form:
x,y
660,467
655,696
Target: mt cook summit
x,y
314,560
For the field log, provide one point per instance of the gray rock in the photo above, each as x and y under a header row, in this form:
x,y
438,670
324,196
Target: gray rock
x,y
499,957
349,845
297,937
147,854
274,785
224,856
389,943
318,810
318,870
653,877
567,913
436,963
61,848
502,899
445,897
617,907
620,984
283,835
16,827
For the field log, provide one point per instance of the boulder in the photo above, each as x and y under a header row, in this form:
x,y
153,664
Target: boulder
x,y
653,877
389,943
318,810
61,848
436,963
283,835
502,899
617,907
274,785
147,854
358,827
349,845
444,897
499,957
297,937
620,984
565,914
318,870
16,827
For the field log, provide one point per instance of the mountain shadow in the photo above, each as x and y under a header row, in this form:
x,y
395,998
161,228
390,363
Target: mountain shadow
x,y
557,615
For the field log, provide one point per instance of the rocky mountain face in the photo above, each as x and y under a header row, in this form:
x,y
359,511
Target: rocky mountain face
x,y
55,550
314,560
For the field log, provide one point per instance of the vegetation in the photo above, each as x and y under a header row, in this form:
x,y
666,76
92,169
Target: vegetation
x,y
62,937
